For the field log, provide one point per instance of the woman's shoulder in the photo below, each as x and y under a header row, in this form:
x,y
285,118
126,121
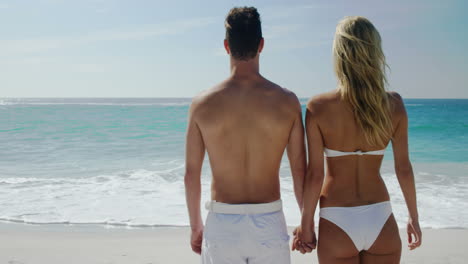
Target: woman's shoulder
x,y
396,102
322,100
394,96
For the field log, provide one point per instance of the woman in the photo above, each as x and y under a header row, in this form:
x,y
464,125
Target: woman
x,y
352,126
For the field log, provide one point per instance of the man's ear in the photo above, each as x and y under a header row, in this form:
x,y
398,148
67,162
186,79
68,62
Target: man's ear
x,y
226,46
260,45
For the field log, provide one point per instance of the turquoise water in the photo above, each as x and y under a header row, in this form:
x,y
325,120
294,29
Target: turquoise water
x,y
438,130
121,162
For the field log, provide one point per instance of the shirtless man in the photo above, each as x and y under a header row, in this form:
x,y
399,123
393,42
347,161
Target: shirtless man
x,y
244,123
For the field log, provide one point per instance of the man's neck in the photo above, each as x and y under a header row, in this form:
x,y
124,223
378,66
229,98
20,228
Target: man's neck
x,y
245,68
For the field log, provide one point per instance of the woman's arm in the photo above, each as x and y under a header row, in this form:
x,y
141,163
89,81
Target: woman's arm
x,y
404,171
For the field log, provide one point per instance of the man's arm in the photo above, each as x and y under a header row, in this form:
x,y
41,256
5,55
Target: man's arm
x,y
194,155
313,180
296,154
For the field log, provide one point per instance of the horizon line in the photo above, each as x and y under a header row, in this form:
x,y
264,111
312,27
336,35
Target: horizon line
x,y
176,97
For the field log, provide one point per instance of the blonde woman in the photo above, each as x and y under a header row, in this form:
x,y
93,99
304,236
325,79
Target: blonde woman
x,y
350,127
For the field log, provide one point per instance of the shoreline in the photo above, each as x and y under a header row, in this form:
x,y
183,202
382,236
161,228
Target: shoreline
x,y
88,244
119,226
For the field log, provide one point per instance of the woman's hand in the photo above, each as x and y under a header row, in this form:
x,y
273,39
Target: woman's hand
x,y
304,239
414,234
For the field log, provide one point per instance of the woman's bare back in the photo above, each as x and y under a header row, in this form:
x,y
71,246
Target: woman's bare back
x,y
351,180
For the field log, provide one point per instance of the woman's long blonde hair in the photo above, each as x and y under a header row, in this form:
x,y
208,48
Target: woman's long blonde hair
x,y
360,68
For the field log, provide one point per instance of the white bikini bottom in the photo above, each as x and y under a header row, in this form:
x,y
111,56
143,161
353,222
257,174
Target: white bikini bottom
x,y
361,223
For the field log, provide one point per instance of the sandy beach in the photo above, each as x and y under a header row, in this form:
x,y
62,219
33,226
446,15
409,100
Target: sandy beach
x,y
57,244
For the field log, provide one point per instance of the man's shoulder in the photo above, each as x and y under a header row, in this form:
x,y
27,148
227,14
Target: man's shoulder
x,y
206,96
285,95
289,96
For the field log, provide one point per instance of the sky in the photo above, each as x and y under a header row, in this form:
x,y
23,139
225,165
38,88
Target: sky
x,y
136,48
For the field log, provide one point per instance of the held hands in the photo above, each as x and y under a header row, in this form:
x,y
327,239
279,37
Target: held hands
x,y
304,239
414,234
196,239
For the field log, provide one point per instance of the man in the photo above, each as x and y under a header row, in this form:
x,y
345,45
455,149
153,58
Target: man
x,y
244,123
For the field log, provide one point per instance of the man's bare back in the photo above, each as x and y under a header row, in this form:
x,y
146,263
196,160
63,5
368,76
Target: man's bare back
x,y
245,124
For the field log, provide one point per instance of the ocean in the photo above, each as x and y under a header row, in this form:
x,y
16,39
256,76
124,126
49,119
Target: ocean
x,y
120,163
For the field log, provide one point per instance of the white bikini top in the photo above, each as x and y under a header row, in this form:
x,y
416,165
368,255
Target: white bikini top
x,y
336,153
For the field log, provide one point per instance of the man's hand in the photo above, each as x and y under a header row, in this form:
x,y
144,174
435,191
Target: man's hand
x,y
304,240
196,239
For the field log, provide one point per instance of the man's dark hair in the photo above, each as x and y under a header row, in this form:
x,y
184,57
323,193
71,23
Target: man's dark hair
x,y
243,32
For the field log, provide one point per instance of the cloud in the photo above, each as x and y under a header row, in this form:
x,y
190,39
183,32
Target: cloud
x,y
89,68
28,46
279,12
101,10
297,45
172,28
277,31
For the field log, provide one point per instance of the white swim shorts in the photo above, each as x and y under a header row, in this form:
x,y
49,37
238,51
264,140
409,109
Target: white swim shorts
x,y
245,233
